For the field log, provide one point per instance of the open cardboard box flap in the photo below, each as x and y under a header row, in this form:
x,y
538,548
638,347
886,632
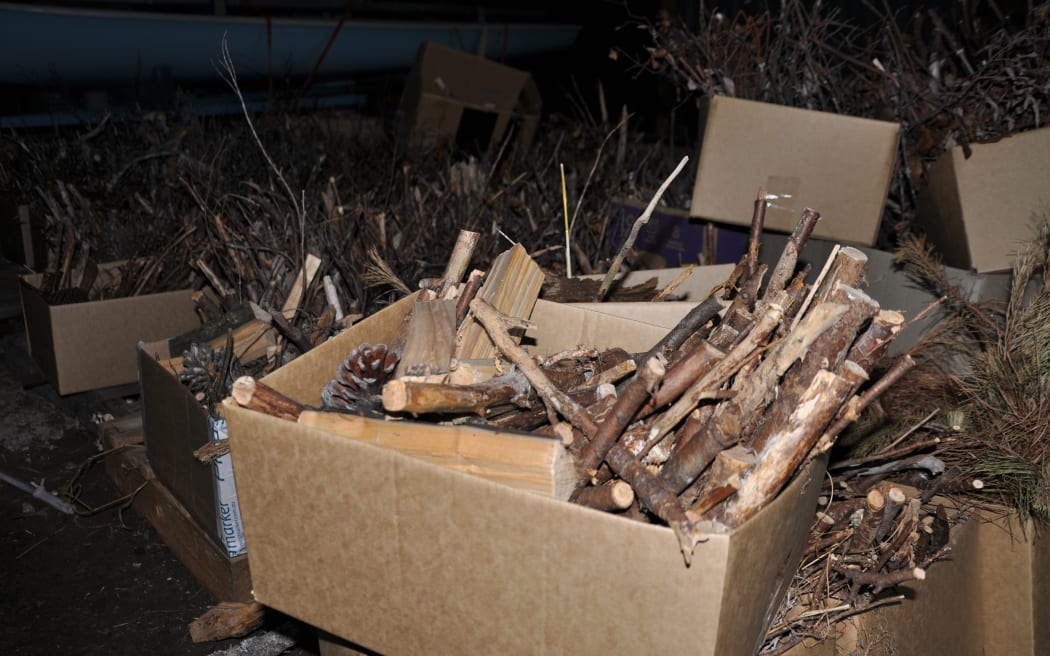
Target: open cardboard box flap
x,y
402,556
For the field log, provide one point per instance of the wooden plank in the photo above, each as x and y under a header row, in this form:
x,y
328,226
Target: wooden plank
x,y
227,579
529,463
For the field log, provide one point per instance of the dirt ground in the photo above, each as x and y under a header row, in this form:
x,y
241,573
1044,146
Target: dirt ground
x,y
93,582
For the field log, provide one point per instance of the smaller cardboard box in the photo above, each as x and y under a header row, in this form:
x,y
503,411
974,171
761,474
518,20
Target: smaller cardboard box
x,y
91,345
473,103
672,238
174,425
403,556
838,165
978,209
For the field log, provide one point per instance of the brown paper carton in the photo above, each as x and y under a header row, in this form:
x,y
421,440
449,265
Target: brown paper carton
x,y
458,98
87,346
977,210
838,165
405,557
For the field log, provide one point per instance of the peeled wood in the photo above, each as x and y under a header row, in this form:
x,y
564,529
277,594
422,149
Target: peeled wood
x,y
303,278
420,397
526,462
459,260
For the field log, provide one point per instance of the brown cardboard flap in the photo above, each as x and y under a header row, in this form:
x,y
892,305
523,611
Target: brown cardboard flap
x,y
838,165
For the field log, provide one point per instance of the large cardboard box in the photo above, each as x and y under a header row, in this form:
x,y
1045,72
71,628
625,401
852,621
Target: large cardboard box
x,y
174,425
838,165
91,345
978,209
405,557
460,99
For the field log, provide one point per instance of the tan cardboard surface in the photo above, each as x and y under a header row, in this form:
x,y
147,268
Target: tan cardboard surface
x,y
977,210
85,346
838,165
405,557
174,425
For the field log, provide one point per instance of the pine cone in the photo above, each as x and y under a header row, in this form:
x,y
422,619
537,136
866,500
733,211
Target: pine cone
x,y
202,375
358,385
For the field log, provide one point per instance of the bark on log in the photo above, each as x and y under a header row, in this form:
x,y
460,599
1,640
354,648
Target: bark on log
x,y
492,322
631,398
785,266
421,397
254,395
227,620
612,496
786,449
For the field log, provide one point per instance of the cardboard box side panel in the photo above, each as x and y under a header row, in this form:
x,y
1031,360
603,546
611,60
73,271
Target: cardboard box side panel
x,y
766,554
468,78
1003,189
560,326
37,317
837,165
1041,587
411,558
305,377
940,212
174,425
1005,579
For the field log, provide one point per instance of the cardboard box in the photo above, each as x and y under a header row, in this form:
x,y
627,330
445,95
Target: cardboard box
x,y
664,314
989,598
460,99
405,557
838,165
977,210
175,425
87,346
671,238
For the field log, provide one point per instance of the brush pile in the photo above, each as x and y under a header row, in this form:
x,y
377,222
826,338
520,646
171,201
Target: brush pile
x,y
969,73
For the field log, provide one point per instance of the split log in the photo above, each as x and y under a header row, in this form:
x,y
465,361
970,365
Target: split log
x,y
511,287
428,338
302,282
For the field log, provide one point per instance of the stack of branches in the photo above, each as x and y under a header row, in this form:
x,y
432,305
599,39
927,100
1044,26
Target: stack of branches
x,y
714,421
969,76
237,207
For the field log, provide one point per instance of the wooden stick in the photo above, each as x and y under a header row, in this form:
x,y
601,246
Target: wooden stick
x,y
458,261
690,324
492,321
617,262
420,397
611,496
254,395
864,535
758,219
785,266
633,396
